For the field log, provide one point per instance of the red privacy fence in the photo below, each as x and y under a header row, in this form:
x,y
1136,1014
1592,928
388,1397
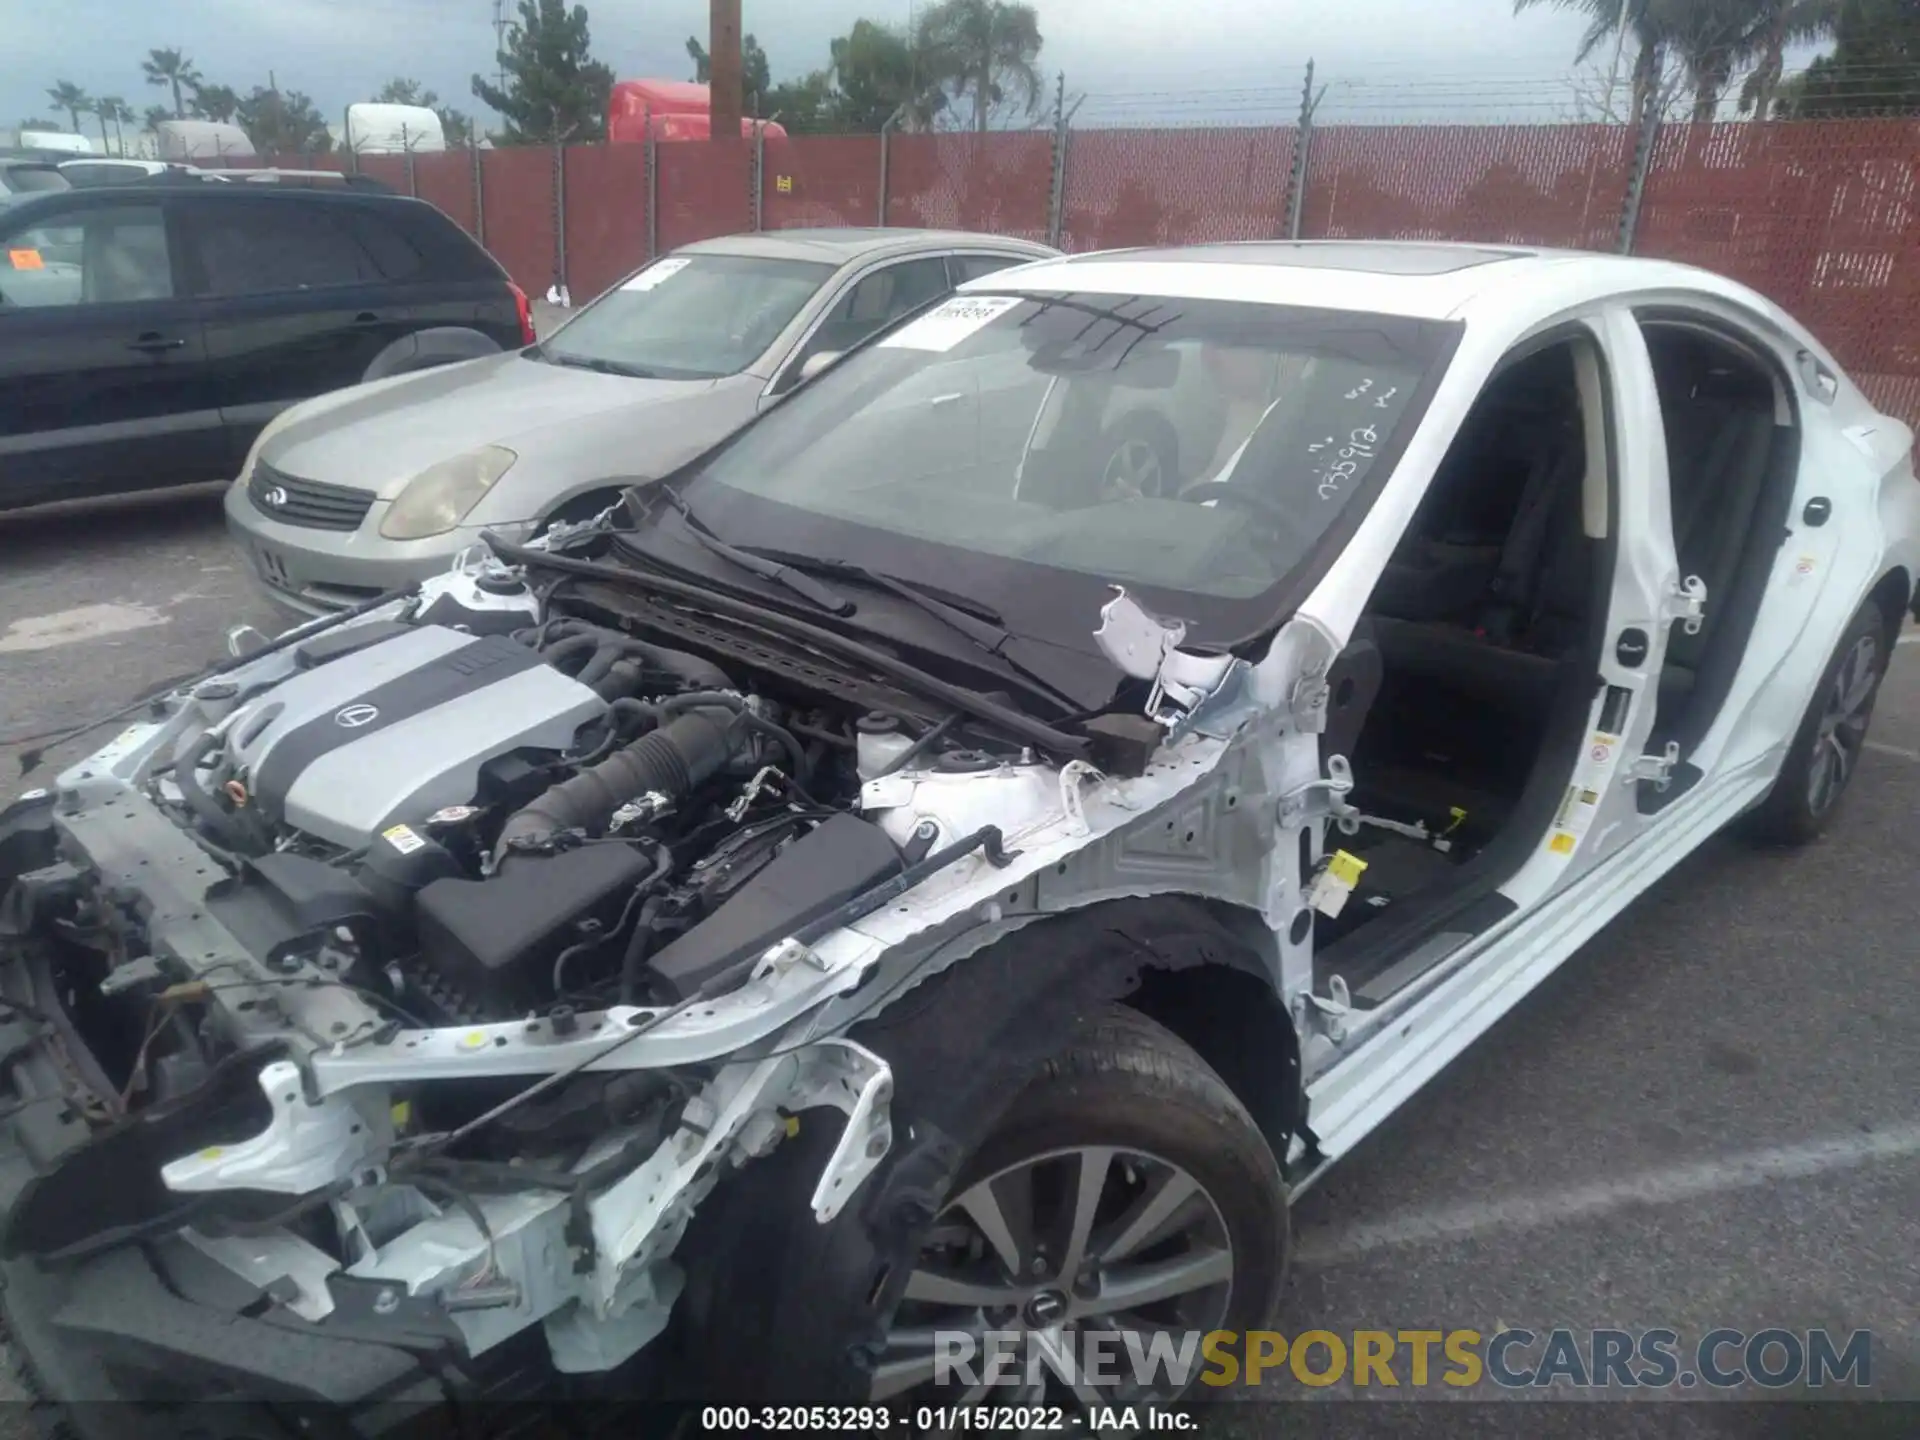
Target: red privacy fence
x,y
1819,215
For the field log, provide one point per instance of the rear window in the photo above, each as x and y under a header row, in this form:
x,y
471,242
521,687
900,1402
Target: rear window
x,y
393,254
445,249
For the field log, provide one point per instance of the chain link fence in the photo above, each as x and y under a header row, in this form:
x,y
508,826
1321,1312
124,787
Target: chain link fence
x,y
1819,215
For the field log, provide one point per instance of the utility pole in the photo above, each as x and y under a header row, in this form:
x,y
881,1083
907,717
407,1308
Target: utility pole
x,y
723,84
500,47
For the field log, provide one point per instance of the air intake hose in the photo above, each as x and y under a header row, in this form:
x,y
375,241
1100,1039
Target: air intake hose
x,y
675,759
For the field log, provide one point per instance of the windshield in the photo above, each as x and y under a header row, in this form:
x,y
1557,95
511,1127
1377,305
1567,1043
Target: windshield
x,y
1003,446
690,317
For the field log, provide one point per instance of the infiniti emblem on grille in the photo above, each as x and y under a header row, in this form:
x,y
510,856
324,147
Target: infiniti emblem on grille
x,y
276,497
354,716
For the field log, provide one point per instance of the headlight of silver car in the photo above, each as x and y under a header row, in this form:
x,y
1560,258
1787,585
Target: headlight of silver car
x,y
439,497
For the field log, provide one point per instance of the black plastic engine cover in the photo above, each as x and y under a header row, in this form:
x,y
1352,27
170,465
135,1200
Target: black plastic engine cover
x,y
494,941
347,640
837,860
283,902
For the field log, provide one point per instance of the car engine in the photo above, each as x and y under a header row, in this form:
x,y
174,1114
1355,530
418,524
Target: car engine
x,y
448,952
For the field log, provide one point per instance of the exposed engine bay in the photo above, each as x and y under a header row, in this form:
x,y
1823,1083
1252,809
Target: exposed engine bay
x,y
431,965
427,968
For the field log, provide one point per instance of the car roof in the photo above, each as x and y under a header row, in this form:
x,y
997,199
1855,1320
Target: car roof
x,y
1419,279
217,194
837,245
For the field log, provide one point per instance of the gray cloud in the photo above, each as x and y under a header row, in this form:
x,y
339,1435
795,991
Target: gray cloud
x,y
1140,61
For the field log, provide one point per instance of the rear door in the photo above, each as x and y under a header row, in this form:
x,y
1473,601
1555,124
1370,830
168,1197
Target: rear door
x,y
104,379
296,301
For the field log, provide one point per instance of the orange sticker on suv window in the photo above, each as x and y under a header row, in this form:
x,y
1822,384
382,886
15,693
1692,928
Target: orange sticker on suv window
x,y
26,260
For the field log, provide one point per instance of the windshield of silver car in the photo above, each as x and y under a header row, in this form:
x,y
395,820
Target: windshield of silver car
x,y
1202,448
688,317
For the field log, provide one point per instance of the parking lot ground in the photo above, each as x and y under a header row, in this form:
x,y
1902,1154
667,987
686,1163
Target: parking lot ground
x,y
1708,1118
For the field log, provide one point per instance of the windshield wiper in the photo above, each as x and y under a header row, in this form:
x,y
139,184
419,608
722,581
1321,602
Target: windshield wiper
x,y
598,366
986,630
805,586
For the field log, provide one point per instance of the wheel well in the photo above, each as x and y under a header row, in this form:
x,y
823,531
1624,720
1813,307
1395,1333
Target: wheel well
x,y
1893,594
1240,1027
585,506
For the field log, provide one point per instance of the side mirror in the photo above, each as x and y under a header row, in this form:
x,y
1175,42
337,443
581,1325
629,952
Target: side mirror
x,y
818,361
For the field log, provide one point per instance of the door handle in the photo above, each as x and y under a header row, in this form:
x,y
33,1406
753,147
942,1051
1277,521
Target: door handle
x,y
154,343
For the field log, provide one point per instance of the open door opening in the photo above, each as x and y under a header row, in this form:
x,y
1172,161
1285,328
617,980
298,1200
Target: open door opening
x,y
1464,697
1733,455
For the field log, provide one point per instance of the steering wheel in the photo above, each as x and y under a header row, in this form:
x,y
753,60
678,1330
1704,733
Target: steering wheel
x,y
1142,459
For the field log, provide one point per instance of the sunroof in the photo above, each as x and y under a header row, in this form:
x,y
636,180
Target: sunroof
x,y
1375,257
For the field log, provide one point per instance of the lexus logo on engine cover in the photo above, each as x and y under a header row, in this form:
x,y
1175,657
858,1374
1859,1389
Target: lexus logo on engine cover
x,y
276,497
353,717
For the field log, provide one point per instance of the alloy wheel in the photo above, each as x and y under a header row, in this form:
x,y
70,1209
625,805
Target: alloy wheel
x,y
1843,725
1073,1243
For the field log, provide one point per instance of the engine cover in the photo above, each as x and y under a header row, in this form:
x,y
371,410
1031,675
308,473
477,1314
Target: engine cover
x,y
400,729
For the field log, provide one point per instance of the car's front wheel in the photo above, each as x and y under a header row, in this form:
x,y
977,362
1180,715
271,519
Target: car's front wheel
x,y
1123,1205
1126,1203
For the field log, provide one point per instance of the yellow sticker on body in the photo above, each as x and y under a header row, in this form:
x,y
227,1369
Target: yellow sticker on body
x,y
1561,844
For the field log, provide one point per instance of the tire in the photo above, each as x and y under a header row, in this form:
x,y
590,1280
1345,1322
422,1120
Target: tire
x,y
1125,1099
1813,779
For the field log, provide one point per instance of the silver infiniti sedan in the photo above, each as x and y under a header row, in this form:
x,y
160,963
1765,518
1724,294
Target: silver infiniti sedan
x,y
378,485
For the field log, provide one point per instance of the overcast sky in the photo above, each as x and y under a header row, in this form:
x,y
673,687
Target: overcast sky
x,y
1139,61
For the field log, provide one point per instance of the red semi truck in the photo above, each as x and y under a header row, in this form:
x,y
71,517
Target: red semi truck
x,y
679,110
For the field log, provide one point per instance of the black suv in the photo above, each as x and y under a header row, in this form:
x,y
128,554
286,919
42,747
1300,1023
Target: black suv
x,y
147,333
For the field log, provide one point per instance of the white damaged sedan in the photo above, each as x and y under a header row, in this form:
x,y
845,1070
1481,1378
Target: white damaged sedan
x,y
956,858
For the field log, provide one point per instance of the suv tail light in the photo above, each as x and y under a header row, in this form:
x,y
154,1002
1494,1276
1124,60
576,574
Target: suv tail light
x,y
524,311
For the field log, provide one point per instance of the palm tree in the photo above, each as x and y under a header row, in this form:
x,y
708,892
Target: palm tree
x,y
71,98
215,102
170,67
1783,23
1613,22
113,108
986,48
1712,39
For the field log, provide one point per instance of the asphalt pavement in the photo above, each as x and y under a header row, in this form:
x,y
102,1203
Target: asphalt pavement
x,y
1708,1118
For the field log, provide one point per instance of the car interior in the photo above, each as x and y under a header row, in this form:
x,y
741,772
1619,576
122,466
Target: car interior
x,y
1464,694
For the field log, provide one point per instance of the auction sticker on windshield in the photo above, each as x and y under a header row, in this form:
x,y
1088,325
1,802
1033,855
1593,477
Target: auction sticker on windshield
x,y
26,260
947,325
654,274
